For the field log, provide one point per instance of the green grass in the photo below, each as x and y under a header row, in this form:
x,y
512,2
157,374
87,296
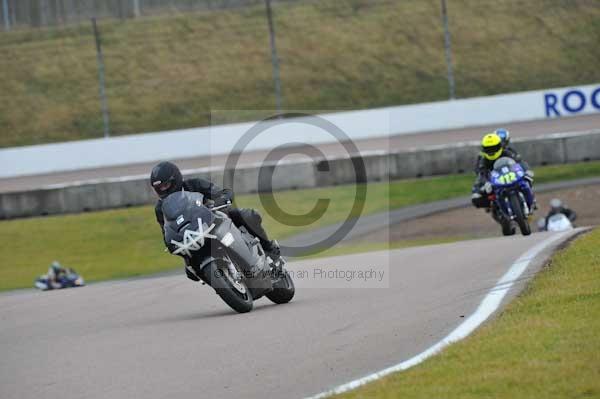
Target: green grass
x,y
169,72
566,172
127,242
545,344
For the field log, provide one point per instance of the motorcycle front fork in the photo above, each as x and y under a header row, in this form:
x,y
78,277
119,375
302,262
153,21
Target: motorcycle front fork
x,y
529,196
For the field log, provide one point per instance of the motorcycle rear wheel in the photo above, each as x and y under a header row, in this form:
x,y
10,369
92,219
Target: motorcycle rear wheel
x,y
507,228
283,289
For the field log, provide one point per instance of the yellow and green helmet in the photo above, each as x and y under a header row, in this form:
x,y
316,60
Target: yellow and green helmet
x,y
491,146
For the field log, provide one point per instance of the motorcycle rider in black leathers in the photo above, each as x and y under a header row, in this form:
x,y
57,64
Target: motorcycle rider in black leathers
x,y
166,178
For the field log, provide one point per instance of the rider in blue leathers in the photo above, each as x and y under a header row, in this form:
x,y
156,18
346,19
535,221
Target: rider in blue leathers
x,y
494,146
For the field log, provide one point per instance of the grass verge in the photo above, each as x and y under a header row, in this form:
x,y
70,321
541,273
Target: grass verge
x,y
127,242
170,72
545,344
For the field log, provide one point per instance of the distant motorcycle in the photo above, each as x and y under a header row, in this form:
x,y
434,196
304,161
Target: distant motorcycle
x,y
68,280
557,222
228,258
511,197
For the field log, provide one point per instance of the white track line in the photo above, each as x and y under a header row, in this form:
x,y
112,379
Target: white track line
x,y
488,305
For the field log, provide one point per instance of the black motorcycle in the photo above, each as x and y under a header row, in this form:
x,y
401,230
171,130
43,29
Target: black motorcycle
x,y
229,259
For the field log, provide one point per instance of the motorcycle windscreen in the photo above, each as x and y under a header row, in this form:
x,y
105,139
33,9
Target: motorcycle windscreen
x,y
506,172
503,162
182,210
559,222
182,203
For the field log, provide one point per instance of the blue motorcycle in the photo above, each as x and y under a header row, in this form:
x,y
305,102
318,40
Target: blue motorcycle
x,y
512,197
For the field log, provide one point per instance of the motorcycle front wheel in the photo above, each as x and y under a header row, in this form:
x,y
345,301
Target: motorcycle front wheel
x,y
520,218
232,291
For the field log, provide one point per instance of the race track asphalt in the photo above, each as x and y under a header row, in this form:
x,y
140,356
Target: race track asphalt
x,y
393,143
168,337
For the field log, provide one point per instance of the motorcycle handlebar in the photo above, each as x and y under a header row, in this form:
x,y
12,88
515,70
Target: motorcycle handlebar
x,y
216,208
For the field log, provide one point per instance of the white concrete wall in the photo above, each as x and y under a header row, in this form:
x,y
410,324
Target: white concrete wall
x,y
532,105
435,160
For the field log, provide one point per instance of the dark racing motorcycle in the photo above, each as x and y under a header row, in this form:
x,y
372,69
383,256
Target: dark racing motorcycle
x,y
512,198
229,259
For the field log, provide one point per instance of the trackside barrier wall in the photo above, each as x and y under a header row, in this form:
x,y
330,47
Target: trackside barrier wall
x,y
381,122
438,160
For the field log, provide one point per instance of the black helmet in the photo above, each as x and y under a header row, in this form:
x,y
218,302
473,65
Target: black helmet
x,y
166,179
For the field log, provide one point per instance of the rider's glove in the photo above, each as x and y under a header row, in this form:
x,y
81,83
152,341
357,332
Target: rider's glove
x,y
222,201
487,188
529,175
